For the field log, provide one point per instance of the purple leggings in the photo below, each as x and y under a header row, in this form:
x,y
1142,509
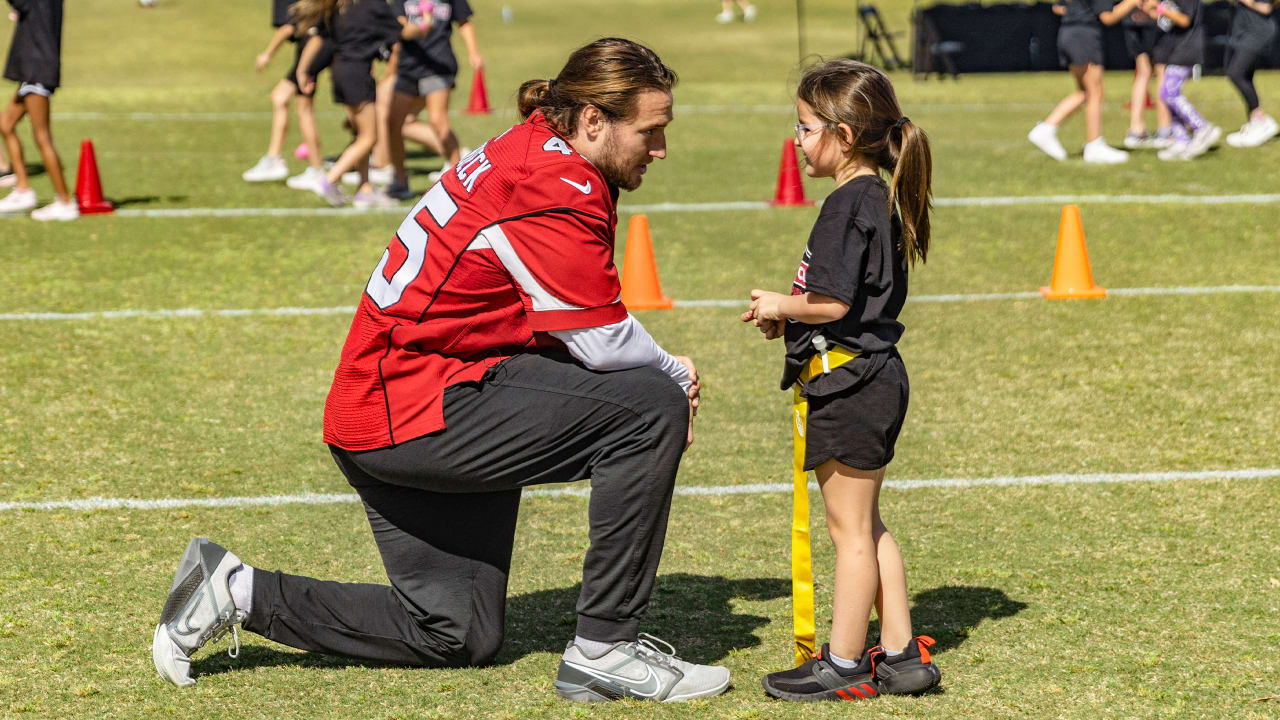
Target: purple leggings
x,y
1186,119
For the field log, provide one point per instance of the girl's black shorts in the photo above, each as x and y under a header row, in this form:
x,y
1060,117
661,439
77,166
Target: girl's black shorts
x,y
322,60
859,426
353,85
1140,40
1079,45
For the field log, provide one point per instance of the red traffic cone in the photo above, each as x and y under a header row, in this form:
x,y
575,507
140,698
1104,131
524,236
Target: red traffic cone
x,y
88,186
479,104
790,192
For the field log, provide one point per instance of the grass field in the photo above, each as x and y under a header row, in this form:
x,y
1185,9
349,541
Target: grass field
x,y
1136,599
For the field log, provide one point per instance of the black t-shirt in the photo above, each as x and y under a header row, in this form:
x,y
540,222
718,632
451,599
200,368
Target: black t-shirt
x,y
35,55
854,255
1251,30
280,12
361,29
432,54
1085,12
1178,45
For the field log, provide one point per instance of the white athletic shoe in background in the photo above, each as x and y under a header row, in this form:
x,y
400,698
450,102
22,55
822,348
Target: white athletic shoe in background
x,y
1203,139
18,201
1099,152
57,210
1254,132
375,199
331,193
435,175
749,13
8,179
306,180
270,168
1045,137
1176,151
725,17
377,176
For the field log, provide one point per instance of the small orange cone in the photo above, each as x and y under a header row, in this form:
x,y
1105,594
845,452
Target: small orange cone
x,y
88,185
1072,277
479,103
790,192
640,287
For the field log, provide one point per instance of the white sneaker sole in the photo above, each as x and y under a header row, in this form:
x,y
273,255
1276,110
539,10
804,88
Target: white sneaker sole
x,y
171,662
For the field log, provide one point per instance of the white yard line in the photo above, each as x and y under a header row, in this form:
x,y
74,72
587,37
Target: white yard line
x,y
718,303
309,498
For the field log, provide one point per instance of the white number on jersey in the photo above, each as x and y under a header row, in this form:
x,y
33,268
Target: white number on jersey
x,y
413,237
557,144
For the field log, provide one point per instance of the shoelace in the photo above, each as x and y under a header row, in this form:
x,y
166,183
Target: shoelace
x,y
647,646
227,623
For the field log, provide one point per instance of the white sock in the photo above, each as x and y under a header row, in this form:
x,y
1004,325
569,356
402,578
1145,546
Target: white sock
x,y
240,582
592,648
842,663
893,653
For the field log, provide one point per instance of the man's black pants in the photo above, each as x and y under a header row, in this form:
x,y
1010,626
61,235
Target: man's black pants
x,y
443,511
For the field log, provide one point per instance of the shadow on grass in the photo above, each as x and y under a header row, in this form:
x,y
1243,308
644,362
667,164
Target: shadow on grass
x,y
949,613
147,200
692,612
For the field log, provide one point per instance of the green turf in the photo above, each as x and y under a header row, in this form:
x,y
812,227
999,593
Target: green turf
x,y
1143,600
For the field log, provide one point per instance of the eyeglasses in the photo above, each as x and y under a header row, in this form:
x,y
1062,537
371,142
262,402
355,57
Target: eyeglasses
x,y
803,131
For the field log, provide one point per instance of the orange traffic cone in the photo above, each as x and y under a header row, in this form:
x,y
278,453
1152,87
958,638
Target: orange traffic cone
x,y
88,185
640,287
1072,277
790,192
479,104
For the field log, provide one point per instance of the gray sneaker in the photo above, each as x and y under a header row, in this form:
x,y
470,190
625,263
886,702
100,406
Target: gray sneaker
x,y
636,669
199,609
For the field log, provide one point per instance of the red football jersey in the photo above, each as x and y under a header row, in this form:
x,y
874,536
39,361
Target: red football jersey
x,y
513,242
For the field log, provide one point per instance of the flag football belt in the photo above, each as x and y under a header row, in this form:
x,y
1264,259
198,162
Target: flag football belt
x,y
801,562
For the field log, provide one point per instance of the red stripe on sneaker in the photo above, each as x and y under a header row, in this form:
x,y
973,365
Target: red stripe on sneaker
x,y
871,691
855,691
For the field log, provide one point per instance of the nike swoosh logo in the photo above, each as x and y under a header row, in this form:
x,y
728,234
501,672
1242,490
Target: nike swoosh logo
x,y
649,688
584,188
184,626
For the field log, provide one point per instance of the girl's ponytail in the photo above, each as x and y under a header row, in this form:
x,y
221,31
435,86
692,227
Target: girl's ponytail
x,y
911,187
306,14
848,92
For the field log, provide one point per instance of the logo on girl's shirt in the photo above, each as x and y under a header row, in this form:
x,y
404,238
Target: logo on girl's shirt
x,y
798,285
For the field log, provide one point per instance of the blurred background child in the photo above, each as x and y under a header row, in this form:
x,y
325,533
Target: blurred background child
x,y
1178,49
1252,31
1140,35
35,63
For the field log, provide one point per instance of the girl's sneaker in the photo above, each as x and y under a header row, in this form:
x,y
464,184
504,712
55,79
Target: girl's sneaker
x,y
1176,151
270,168
1099,152
57,210
8,178
1045,137
329,192
307,179
18,201
819,679
910,673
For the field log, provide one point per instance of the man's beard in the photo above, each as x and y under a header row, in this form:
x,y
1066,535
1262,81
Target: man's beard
x,y
616,170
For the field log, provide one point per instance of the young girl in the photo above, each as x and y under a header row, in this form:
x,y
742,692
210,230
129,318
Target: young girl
x,y
841,326
35,63
360,30
1251,32
1181,47
1080,49
271,167
426,75
1140,35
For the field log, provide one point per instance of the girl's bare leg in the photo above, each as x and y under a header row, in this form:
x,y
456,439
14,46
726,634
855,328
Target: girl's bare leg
x,y
1139,93
356,156
305,108
280,96
1072,102
438,116
1093,102
863,548
9,118
38,110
